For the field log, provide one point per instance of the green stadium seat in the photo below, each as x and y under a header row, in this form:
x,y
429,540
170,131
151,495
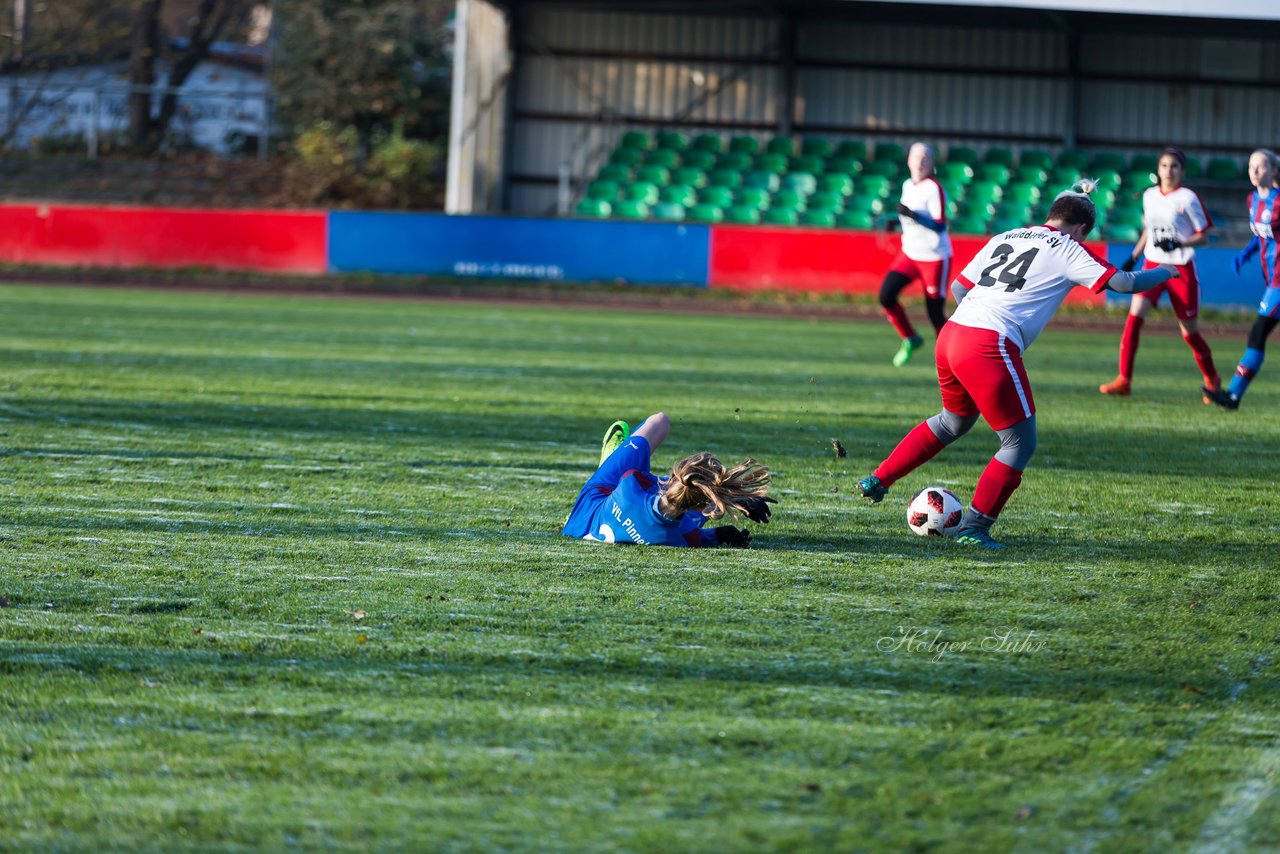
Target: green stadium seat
x,y
1018,211
615,172
1034,175
1194,169
725,178
764,180
642,191
737,160
594,208
781,216
962,154
1108,178
810,163
775,163
659,175
1122,233
954,190
890,151
1104,198
667,211
703,160
997,173
861,220
1223,169
710,142
845,165
825,200
855,148
953,208
626,156
604,190
1139,181
689,176
752,197
818,147
1003,224
705,213
1036,159
836,182
985,191
672,139
956,170
883,168
802,182
1126,217
1073,159
636,139
971,209
781,145
787,199
1065,176
969,226
998,157
717,196
742,215
667,157
1107,160
680,194
819,218
748,145
873,205
874,185
1022,193
631,209
1144,163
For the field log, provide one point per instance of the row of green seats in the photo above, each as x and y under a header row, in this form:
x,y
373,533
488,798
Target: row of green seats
x,y
737,214
631,158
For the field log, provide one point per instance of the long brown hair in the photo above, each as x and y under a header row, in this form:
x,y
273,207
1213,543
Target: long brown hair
x,y
701,482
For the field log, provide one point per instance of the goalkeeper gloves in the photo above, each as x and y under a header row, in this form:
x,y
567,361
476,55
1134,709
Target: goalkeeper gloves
x,y
757,508
903,210
1168,244
1128,266
734,538
1240,260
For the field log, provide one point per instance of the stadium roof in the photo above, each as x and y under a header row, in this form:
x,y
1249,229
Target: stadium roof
x,y
1254,10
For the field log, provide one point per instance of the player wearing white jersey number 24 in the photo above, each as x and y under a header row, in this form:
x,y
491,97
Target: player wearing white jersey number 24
x,y
1005,296
1174,223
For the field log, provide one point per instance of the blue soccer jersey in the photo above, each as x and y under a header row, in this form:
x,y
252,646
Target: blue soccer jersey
x,y
1264,218
619,504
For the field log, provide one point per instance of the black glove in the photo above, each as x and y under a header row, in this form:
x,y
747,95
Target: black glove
x,y
757,508
1128,266
734,538
1168,244
903,210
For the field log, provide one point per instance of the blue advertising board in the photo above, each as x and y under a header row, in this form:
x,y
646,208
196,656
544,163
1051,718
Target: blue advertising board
x,y
571,250
1220,287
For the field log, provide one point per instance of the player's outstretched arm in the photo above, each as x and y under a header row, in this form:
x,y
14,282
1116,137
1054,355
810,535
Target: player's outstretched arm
x,y
1123,282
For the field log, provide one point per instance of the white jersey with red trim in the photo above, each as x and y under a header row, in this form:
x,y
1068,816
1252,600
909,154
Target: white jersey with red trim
x,y
1177,213
1018,280
919,243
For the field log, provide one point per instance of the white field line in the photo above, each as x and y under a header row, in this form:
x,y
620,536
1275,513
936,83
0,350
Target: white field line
x,y
1226,830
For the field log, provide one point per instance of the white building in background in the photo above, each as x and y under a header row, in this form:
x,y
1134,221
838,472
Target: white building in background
x,y
220,107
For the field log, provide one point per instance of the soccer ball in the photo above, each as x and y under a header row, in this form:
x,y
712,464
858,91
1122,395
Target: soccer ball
x,y
935,512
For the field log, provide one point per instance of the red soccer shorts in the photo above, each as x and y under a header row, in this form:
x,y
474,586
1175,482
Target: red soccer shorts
x,y
980,371
932,274
1184,290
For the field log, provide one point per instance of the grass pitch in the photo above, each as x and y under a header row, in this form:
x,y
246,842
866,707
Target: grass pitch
x,y
286,573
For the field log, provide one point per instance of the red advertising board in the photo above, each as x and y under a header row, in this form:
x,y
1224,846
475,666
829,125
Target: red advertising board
x,y
822,260
72,235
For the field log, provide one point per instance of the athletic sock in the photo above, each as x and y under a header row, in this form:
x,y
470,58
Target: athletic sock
x,y
1204,356
973,519
1250,364
916,448
1129,345
997,483
898,317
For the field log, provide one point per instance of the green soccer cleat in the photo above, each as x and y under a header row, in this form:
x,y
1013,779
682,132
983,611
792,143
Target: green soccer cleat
x,y
977,537
909,346
873,489
618,432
